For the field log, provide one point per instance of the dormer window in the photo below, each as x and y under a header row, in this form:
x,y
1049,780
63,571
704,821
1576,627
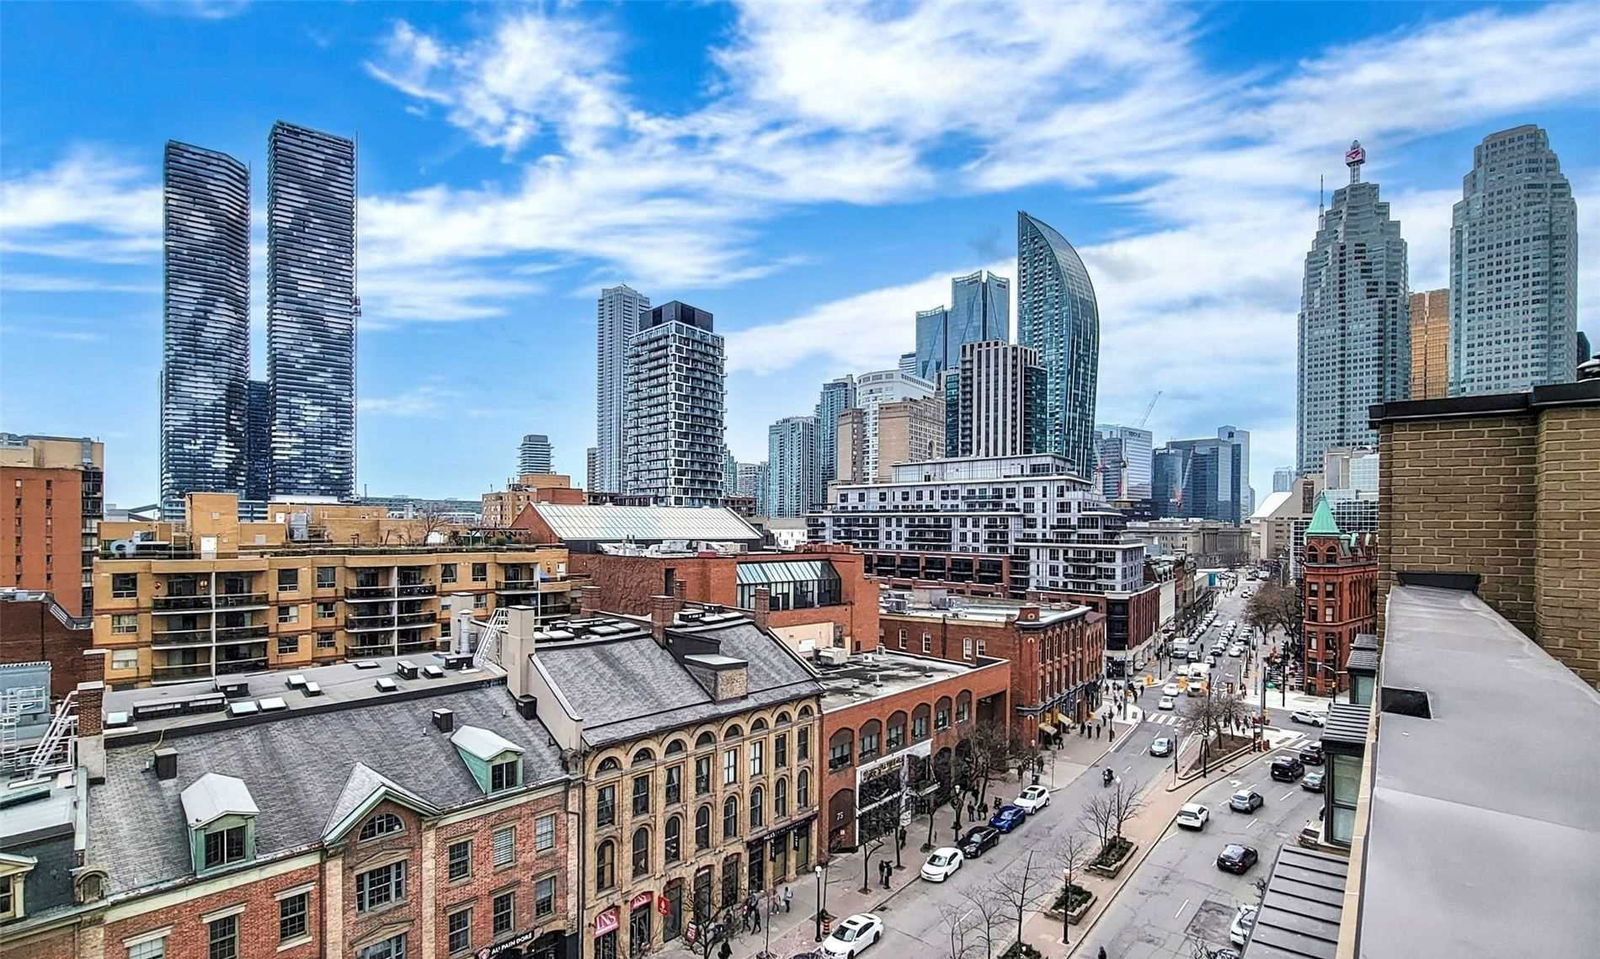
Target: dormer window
x,y
505,774
221,816
494,761
383,824
224,847
13,881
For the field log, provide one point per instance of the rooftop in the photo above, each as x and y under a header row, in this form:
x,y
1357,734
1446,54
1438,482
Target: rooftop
x,y
620,523
993,611
874,675
1299,914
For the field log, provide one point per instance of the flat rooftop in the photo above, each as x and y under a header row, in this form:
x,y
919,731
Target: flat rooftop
x,y
872,676
1483,838
988,612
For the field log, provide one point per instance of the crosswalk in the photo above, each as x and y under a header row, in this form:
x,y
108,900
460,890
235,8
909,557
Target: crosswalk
x,y
1292,738
1162,719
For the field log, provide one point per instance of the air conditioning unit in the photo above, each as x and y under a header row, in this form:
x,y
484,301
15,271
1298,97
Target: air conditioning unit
x,y
833,655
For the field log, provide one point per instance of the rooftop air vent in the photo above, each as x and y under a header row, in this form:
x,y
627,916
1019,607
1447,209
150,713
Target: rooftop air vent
x,y
405,669
1405,702
246,708
232,687
457,661
166,763
386,685
432,672
313,689
365,664
273,704
444,720
295,681
117,720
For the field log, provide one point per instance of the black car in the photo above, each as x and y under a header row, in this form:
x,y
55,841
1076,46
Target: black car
x,y
978,840
1286,769
1236,858
1311,754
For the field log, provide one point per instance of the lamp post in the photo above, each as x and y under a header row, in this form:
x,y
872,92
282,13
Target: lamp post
x,y
821,870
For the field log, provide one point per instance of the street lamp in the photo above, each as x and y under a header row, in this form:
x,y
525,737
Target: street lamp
x,y
821,870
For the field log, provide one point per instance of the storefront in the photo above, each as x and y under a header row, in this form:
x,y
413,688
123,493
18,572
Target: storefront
x,y
605,934
528,944
641,910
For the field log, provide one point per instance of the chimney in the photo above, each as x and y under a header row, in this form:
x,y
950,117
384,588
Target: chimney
x,y
517,644
663,610
91,693
1028,614
763,607
588,599
680,593
167,763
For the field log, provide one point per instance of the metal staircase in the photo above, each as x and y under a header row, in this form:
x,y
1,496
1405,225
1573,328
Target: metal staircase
x,y
488,650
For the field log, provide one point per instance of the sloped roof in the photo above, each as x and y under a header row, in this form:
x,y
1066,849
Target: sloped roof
x,y
363,790
644,523
1322,522
213,796
1270,504
482,743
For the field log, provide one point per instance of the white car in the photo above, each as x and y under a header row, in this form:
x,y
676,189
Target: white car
x,y
1033,799
852,936
1170,689
1308,717
941,863
1166,703
1242,921
1161,746
1235,650
1192,815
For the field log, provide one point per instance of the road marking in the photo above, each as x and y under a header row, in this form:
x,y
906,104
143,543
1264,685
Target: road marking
x,y
1286,795
1181,909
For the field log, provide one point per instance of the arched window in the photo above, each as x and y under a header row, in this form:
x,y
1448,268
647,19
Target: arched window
x,y
841,749
758,808
920,719
643,756
730,818
641,852
963,706
896,739
702,828
383,824
941,713
802,791
784,718
609,765
758,725
871,739
805,713
780,799
704,740
734,732
673,846
605,865
675,747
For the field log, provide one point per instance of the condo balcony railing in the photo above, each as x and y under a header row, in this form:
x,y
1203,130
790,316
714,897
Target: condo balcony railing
x,y
231,634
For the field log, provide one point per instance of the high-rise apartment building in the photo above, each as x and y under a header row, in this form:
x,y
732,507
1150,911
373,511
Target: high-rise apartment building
x,y
618,315
837,396
1000,398
534,455
258,443
748,481
1204,478
1354,332
1057,314
858,435
312,309
1513,268
205,350
51,511
792,488
675,408
1430,345
980,309
591,462
908,363
1283,479
1124,461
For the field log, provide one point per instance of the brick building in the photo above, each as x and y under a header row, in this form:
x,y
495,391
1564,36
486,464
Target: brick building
x,y
50,510
1338,581
501,507
34,628
1505,488
1131,621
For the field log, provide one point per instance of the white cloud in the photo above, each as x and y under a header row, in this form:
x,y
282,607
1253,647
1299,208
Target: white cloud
x,y
426,400
89,206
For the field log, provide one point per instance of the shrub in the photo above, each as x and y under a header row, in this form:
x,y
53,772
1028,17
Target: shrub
x,y
1079,896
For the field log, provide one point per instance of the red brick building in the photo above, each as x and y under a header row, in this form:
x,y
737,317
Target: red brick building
x,y
1339,585
34,628
50,503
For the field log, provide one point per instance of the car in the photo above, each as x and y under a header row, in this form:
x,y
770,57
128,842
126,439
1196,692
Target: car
x,y
1286,769
1243,919
1246,800
1236,650
1226,952
1033,799
1170,689
1165,703
1192,815
1313,781
1236,858
1308,717
1311,754
1161,746
979,840
942,863
852,936
1008,818
1194,655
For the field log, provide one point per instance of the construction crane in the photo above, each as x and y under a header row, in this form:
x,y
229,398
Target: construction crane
x,y
1146,417
1183,482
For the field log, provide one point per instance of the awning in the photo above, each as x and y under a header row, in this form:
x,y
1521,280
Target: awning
x,y
1047,729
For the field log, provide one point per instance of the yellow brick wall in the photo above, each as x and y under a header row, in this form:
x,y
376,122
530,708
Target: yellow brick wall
x,y
1567,520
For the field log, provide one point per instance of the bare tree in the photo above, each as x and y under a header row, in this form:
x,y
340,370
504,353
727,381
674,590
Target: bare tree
x,y
1019,888
1096,817
957,929
988,912
1274,607
1210,715
978,751
1123,802
1072,852
427,519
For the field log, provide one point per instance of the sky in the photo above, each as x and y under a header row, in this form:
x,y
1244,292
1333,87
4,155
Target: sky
x,y
812,174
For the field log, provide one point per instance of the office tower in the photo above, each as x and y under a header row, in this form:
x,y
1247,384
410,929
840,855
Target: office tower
x,y
1057,315
258,443
1000,401
1583,353
858,433
1430,345
618,315
1241,439
908,363
1513,268
1283,479
1354,332
534,455
980,309
791,464
312,308
205,327
591,462
1354,469
1203,478
51,512
1124,461
837,396
748,479
675,408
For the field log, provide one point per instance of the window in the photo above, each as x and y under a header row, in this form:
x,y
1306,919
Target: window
x,y
702,775
641,795
380,886
124,585
919,725
730,766
605,805
780,751
758,758
941,715
758,808
325,641
702,828
149,949
641,852
480,601
897,732
326,610
225,846
124,622
802,792
505,845
325,576
839,753
480,572
393,947
288,614
963,707
288,580
927,643
504,913
223,938
544,833
293,911
966,647
780,799
544,896
288,645
447,573
730,818
605,865
460,926
982,645
673,845
505,774
869,741
730,881
383,824
674,786
124,659
802,744
460,860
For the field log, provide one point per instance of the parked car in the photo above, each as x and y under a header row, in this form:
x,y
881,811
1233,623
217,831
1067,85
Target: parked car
x,y
941,864
1170,689
852,936
1243,919
1313,781
1008,818
1311,754
1164,703
979,840
1226,952
1161,746
1236,858
1246,800
1236,650
1033,799
1192,815
1286,769
1308,717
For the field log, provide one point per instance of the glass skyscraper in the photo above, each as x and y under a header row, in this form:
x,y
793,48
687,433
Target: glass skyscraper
x,y
675,408
792,488
1057,314
980,310
205,350
837,396
258,444
1513,268
311,311
618,315
1125,457
534,455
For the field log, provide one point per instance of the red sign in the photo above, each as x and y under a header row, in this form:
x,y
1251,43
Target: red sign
x,y
605,922
642,899
663,905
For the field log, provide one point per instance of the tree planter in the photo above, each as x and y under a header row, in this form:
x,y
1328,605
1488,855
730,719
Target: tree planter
x,y
1021,950
1082,899
1113,857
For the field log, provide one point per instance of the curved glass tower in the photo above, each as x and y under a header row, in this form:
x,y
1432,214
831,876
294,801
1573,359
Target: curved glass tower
x,y
205,349
1057,315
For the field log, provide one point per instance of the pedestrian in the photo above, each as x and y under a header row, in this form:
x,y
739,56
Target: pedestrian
x,y
788,898
755,915
1102,952
726,952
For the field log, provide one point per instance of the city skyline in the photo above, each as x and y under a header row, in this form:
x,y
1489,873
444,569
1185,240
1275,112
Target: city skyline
x,y
806,300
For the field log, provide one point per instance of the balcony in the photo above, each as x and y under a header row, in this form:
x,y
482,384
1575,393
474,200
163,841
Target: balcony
x,y
234,634
360,593
240,600
418,589
357,624
180,637
248,664
357,650
417,619
181,673
181,603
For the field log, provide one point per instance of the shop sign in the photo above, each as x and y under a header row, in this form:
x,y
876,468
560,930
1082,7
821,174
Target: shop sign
x,y
642,899
606,922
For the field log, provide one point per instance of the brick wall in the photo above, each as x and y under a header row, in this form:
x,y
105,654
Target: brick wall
x,y
29,632
1567,520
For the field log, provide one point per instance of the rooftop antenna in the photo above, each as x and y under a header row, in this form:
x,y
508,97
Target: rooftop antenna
x,y
1321,192
1353,158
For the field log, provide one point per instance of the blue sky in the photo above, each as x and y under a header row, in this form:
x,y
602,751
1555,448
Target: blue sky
x,y
811,174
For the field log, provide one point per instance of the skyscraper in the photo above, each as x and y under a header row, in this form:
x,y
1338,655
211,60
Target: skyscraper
x,y
837,396
1203,479
1057,314
908,363
980,309
618,315
1513,268
591,462
1430,345
312,308
675,408
1000,401
791,463
205,349
1354,330
258,443
1124,457
873,390
534,455
1283,479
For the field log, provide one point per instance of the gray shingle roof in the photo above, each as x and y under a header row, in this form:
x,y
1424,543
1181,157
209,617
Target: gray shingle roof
x,y
363,783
